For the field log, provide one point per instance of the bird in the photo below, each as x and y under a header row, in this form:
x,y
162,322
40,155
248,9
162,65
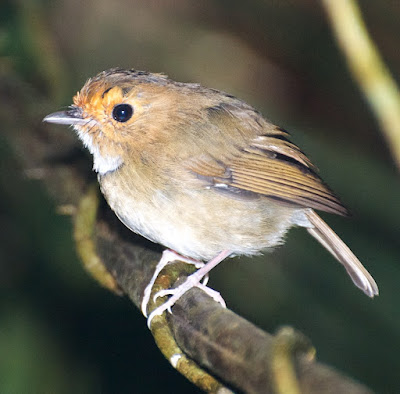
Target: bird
x,y
200,172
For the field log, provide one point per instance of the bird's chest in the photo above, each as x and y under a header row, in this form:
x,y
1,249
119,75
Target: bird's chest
x,y
162,213
191,219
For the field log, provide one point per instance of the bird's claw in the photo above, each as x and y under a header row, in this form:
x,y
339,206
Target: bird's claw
x,y
168,256
177,293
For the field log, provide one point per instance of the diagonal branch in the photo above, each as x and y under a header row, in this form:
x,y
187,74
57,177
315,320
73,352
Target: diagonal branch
x,y
368,68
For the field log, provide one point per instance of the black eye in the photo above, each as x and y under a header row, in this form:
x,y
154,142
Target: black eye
x,y
122,112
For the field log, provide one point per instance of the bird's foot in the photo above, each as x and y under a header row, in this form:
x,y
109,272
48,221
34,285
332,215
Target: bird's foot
x,y
176,293
168,257
193,280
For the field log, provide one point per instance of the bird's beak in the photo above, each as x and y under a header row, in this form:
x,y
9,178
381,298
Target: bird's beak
x,y
71,117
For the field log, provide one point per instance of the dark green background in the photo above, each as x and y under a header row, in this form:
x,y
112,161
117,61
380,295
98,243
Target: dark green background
x,y
59,331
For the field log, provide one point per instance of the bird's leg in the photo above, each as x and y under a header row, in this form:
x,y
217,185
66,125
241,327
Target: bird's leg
x,y
168,256
193,280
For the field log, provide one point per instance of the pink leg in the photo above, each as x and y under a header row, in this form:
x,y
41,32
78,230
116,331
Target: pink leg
x,y
168,256
191,281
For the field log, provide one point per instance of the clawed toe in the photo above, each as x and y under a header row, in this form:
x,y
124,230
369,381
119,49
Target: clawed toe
x,y
198,279
163,293
215,295
177,293
168,257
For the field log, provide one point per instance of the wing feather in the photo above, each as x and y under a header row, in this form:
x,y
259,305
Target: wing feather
x,y
259,158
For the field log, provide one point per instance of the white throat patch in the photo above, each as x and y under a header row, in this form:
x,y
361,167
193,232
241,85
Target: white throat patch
x,y
101,163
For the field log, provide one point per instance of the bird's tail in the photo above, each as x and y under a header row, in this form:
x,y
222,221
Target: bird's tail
x,y
326,236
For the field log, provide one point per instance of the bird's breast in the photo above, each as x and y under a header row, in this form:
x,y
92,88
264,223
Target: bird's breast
x,y
195,220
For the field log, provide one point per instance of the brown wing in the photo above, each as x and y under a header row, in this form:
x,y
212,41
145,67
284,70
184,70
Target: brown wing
x,y
271,166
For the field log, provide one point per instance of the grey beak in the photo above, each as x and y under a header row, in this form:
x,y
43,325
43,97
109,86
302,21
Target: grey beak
x,y
71,117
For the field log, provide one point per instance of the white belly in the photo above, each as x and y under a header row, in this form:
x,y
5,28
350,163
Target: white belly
x,y
202,223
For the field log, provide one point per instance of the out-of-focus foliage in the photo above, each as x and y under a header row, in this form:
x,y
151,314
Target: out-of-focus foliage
x,y
59,332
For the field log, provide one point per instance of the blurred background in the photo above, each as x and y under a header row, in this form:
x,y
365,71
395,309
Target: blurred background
x,y
59,331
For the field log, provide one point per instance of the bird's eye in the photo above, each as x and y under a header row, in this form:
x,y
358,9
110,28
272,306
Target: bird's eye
x,y
122,112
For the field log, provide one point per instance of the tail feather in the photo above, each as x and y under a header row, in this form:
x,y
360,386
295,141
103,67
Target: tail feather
x,y
325,235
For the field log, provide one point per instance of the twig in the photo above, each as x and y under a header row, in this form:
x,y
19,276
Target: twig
x,y
368,68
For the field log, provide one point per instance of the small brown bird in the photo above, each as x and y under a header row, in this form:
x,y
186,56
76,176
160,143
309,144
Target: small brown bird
x,y
200,172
